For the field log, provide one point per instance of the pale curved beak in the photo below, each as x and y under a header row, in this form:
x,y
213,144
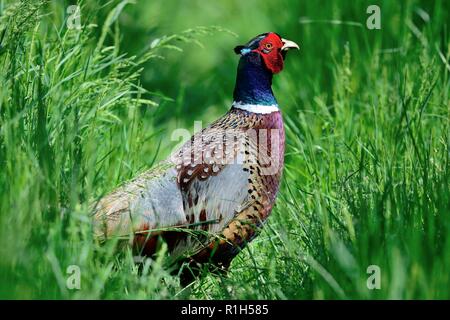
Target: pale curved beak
x,y
288,44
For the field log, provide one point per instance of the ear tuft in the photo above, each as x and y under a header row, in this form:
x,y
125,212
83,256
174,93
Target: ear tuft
x,y
238,49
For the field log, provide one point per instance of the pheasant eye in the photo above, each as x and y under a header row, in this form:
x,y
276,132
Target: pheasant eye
x,y
268,46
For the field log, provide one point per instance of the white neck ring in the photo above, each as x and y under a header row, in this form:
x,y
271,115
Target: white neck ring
x,y
256,108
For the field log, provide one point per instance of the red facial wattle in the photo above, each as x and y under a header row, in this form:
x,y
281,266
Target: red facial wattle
x,y
270,50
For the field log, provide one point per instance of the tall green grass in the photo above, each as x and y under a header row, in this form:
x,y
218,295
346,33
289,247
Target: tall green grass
x,y
367,165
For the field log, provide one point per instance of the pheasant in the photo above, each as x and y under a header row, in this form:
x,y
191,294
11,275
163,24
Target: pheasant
x,y
211,197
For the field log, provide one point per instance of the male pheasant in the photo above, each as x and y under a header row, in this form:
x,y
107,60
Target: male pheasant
x,y
208,199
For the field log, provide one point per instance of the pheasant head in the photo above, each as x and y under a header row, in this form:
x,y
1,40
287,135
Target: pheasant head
x,y
261,58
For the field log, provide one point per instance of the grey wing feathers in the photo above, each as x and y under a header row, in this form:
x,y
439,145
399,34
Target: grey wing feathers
x,y
152,199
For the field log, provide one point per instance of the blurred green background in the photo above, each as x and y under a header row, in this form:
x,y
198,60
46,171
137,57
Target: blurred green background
x,y
367,161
